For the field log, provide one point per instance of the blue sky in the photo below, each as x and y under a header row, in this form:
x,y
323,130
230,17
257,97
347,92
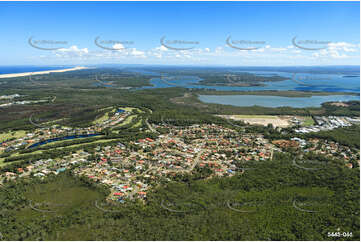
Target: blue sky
x,y
195,33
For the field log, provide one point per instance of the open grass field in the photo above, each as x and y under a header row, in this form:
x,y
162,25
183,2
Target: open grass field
x,y
128,120
101,119
308,121
138,124
10,135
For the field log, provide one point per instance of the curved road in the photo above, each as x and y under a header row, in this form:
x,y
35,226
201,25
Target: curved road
x,y
305,168
301,209
39,210
31,121
237,210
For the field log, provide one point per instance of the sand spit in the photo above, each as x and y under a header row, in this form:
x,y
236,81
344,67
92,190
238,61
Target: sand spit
x,y
41,72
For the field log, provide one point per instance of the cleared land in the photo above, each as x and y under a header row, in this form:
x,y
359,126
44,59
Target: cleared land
x,y
276,121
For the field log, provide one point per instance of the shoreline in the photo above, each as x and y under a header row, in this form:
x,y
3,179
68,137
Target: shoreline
x,y
283,93
12,75
276,101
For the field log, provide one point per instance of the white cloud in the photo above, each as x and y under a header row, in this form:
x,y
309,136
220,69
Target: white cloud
x,y
158,55
161,48
219,49
220,54
136,52
347,47
278,49
338,50
118,46
260,49
74,49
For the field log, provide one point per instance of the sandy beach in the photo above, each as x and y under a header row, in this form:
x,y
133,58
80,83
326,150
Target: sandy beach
x,y
41,72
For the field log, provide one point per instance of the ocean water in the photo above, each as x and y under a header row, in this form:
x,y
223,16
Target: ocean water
x,y
21,69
